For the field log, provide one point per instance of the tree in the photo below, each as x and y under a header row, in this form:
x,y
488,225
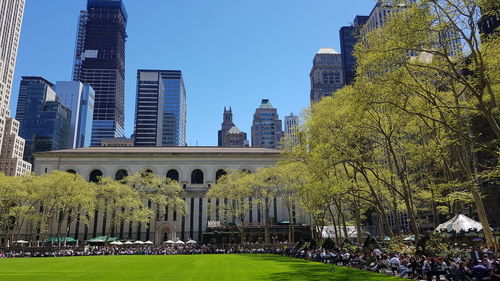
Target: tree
x,y
236,188
74,198
161,192
123,201
420,74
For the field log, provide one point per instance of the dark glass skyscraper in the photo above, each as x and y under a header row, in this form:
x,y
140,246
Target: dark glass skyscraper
x,y
160,117
349,38
46,122
100,62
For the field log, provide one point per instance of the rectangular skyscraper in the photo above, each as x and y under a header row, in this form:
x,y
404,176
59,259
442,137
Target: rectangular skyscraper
x,y
100,62
326,74
46,122
348,38
291,129
11,145
266,127
160,118
80,99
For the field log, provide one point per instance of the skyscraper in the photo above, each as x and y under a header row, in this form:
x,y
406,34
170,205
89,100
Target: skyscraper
x,y
266,126
100,62
348,38
380,12
46,122
326,74
11,17
80,99
229,135
291,128
160,117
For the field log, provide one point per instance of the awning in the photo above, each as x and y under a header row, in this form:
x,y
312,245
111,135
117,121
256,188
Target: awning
x,y
57,240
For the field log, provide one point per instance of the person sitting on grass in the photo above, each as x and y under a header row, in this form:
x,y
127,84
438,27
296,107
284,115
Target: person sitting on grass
x,y
394,263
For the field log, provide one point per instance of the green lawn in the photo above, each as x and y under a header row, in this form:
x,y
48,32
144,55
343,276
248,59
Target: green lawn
x,y
196,267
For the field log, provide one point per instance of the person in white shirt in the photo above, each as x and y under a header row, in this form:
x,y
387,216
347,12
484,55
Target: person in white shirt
x,y
394,263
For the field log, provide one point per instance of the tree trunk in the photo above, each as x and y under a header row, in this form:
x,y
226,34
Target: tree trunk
x,y
334,225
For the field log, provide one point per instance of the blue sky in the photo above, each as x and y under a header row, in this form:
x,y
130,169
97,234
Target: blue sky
x,y
231,52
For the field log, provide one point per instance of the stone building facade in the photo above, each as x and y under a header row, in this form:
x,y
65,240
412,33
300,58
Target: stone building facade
x,y
196,169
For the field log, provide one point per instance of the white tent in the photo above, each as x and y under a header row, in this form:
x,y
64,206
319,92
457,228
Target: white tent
x,y
128,243
138,242
22,242
116,243
191,242
148,242
169,242
460,223
179,242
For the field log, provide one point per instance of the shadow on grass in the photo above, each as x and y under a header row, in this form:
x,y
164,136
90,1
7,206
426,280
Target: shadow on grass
x,y
307,270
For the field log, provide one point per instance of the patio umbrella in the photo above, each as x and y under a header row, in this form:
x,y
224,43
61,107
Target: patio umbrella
x,y
138,242
101,239
191,242
118,243
22,242
410,238
180,242
169,242
128,243
148,242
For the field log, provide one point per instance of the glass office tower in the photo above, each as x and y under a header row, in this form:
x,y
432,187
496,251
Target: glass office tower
x,y
160,118
100,62
80,99
46,122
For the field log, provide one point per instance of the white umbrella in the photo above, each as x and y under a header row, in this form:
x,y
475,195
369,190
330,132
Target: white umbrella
x,y
116,243
179,242
459,223
410,238
22,242
128,243
148,242
169,242
138,242
191,242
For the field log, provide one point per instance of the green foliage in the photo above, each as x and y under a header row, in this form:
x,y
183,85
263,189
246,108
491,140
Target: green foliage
x,y
328,243
47,202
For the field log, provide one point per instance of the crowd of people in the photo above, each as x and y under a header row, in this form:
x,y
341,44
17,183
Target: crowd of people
x,y
477,265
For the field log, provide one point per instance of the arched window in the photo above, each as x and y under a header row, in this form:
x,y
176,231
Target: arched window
x,y
173,175
95,175
197,177
71,171
121,174
219,174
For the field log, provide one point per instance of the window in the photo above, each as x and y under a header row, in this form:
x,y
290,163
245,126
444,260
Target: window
x,y
95,176
219,174
197,177
71,171
121,174
173,175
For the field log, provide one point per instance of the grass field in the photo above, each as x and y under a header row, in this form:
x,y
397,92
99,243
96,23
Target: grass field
x,y
196,267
